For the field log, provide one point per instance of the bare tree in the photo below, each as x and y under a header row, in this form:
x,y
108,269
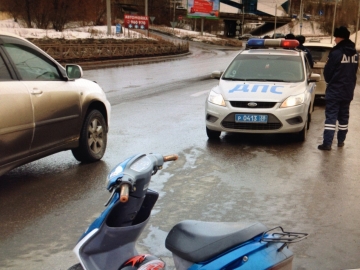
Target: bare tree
x,y
14,7
60,14
41,11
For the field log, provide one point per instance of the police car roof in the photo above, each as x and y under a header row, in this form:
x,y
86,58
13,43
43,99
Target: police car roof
x,y
272,52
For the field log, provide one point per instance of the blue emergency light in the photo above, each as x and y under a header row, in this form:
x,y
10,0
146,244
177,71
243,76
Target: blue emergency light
x,y
281,43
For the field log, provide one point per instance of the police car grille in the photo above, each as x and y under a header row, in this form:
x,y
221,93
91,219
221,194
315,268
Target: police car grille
x,y
251,126
244,104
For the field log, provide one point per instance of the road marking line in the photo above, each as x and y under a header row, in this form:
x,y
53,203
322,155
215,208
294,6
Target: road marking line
x,y
200,93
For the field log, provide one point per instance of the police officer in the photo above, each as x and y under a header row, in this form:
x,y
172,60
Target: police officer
x,y
340,76
290,36
301,40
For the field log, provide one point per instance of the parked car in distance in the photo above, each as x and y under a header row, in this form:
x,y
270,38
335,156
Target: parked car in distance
x,y
278,35
245,36
319,52
46,108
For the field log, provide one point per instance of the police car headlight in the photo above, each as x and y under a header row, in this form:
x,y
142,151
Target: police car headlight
x,y
293,101
216,98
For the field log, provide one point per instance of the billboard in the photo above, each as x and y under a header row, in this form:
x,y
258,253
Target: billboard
x,y
136,22
203,9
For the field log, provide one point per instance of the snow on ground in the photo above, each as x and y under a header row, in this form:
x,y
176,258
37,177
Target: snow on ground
x,y
10,26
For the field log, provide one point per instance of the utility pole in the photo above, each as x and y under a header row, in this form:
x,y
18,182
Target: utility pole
x,y
108,17
275,20
242,23
173,23
289,9
146,14
301,15
357,25
333,25
174,10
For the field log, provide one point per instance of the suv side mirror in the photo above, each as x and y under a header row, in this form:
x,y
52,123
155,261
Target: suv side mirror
x,y
73,71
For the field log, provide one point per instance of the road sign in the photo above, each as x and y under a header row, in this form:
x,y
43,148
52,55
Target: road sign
x,y
136,22
118,28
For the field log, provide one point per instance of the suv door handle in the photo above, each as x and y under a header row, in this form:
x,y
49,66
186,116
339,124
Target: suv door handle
x,y
36,91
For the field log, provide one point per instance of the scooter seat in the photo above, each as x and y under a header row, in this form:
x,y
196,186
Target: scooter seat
x,y
198,241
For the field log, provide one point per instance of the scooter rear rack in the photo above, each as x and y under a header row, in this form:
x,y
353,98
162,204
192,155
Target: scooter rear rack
x,y
278,235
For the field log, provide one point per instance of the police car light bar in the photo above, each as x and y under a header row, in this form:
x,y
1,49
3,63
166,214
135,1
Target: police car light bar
x,y
281,43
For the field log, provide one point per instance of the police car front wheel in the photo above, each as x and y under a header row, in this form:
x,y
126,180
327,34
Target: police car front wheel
x,y
213,134
303,133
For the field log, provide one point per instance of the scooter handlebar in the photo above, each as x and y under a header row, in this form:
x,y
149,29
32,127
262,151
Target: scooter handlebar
x,y
125,187
124,193
170,158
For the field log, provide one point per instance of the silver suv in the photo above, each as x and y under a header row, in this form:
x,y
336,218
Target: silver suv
x,y
46,108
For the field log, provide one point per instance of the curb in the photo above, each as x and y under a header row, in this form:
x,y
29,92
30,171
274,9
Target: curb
x,y
88,65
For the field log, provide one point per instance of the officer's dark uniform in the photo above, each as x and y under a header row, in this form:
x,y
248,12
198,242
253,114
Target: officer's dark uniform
x,y
340,76
301,40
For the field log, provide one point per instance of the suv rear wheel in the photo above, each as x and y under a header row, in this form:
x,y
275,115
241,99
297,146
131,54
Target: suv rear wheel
x,y
93,138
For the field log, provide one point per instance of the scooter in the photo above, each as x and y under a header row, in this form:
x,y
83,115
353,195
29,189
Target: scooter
x,y
109,242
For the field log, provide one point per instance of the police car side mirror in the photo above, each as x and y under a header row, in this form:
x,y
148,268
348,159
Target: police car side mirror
x,y
314,77
216,74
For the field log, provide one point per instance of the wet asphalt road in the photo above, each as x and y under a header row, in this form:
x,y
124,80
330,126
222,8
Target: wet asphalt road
x,y
46,205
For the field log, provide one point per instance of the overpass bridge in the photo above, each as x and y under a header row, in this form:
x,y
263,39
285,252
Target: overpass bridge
x,y
232,20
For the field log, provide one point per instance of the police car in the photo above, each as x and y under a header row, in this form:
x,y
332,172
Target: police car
x,y
267,88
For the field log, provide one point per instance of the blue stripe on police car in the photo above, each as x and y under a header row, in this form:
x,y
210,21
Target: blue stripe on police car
x,y
253,88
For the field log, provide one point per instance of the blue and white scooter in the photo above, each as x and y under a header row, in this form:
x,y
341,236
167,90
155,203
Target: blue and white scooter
x,y
109,242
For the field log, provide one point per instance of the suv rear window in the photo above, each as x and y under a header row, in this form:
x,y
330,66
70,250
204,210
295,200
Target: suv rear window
x,y
319,54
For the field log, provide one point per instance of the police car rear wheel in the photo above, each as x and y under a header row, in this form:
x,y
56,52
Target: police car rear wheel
x,y
213,134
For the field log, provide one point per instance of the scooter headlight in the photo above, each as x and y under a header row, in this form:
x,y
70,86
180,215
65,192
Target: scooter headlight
x,y
116,172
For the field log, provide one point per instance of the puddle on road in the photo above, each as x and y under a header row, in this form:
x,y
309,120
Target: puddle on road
x,y
232,184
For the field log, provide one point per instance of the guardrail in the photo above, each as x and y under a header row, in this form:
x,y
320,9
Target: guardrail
x,y
103,51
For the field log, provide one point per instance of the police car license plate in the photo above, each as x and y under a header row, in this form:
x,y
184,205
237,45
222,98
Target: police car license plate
x,y
251,118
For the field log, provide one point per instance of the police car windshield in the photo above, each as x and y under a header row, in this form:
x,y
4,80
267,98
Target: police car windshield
x,y
278,68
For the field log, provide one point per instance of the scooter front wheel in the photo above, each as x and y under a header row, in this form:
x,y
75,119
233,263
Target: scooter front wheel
x,y
76,267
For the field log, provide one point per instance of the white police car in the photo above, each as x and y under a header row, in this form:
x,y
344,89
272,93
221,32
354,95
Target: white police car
x,y
267,88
